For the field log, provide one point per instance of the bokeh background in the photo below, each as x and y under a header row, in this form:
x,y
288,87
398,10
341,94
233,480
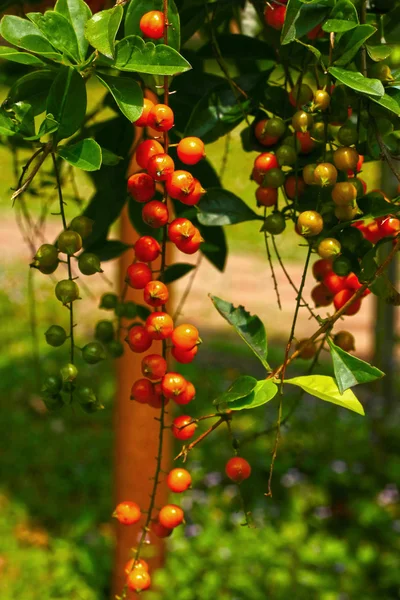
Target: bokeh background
x,y
331,531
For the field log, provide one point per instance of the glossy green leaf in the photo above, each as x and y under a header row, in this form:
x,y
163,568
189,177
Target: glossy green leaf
x,y
102,29
248,327
67,101
108,249
7,125
24,34
350,370
391,24
384,288
110,158
358,82
126,93
289,27
176,271
47,126
264,391
326,388
221,207
350,43
24,116
342,18
32,89
77,13
85,154
240,388
311,49
374,205
389,102
138,8
20,57
380,52
214,247
58,31
234,46
133,54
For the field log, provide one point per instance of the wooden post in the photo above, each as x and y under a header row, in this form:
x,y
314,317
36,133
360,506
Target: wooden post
x,y
136,439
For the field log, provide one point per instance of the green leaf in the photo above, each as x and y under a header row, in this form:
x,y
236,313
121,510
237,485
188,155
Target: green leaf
x,y
264,391
102,29
20,57
350,43
388,102
77,13
47,126
108,249
380,52
234,46
342,18
85,154
67,101
350,370
391,24
215,246
326,388
23,114
177,271
248,327
384,288
242,387
32,89
311,49
221,207
138,8
358,82
126,93
59,32
110,158
374,205
133,54
7,125
289,27
24,34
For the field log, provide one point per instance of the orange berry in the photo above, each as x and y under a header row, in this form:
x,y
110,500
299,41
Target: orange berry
x,y
161,117
160,167
159,325
184,356
127,513
180,184
237,469
171,516
183,427
154,366
152,24
155,214
190,150
185,336
141,187
138,275
138,580
187,395
146,150
142,120
179,480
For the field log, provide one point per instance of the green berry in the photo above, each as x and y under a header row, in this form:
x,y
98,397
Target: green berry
x,y
286,155
104,331
46,256
109,301
86,395
129,310
275,127
69,242
52,385
68,373
89,264
275,223
274,178
115,348
347,134
93,353
341,266
67,291
55,335
53,401
48,270
82,225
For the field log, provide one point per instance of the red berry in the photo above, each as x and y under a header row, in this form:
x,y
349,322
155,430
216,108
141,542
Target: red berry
x,y
334,283
152,24
147,248
127,513
181,230
264,162
159,325
359,165
160,167
187,395
179,480
191,245
141,187
138,339
266,196
138,275
156,293
146,150
171,516
140,564
190,150
352,282
138,580
161,118
173,384
184,356
321,295
388,226
142,120
159,530
185,336
195,195
237,469
155,214
344,296
157,399
306,142
291,184
262,136
142,390
321,267
372,232
180,184
274,16
181,429
154,366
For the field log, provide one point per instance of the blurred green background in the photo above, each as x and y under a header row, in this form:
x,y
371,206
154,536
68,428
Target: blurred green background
x,y
330,532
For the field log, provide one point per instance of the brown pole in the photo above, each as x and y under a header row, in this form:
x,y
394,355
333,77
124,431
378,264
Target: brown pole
x,y
136,439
